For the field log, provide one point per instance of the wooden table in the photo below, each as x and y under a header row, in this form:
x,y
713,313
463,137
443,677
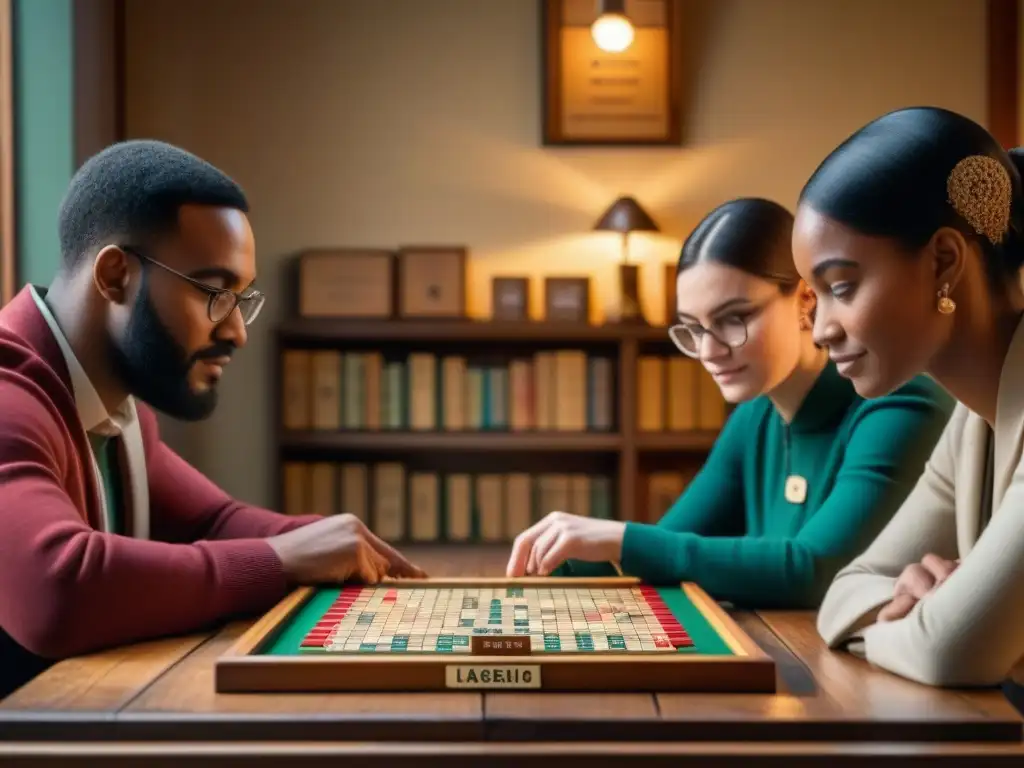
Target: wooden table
x,y
125,704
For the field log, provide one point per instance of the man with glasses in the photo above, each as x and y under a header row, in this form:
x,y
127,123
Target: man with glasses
x,y
107,536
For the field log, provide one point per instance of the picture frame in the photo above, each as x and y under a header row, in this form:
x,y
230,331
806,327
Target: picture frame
x,y
510,299
567,299
432,281
592,97
350,283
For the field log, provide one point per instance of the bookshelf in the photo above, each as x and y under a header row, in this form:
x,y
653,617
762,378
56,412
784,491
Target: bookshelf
x,y
626,436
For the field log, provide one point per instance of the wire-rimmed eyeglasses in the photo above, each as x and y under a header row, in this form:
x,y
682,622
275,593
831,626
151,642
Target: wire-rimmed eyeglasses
x,y
222,301
730,332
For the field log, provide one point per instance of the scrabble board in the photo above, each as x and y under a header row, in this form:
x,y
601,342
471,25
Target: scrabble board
x,y
553,619
567,634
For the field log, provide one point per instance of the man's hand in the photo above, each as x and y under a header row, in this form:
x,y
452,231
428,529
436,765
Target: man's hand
x,y
916,581
540,549
336,549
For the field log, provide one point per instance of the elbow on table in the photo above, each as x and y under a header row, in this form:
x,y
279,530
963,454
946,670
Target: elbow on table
x,y
833,632
55,614
835,621
851,602
51,627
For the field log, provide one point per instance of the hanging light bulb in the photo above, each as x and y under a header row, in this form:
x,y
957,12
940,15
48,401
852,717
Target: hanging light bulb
x,y
612,31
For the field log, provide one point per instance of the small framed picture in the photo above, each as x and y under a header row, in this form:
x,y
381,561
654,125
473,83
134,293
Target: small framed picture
x,y
510,298
432,282
345,283
567,299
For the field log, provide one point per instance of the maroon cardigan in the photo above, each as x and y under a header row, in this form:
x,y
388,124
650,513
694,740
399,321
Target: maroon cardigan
x,y
66,587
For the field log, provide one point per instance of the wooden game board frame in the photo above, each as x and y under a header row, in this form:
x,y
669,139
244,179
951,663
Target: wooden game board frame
x,y
243,669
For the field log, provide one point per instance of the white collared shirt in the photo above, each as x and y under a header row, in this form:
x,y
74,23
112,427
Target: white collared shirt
x,y
97,420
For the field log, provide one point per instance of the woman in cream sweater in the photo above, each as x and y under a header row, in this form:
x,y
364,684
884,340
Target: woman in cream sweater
x,y
911,233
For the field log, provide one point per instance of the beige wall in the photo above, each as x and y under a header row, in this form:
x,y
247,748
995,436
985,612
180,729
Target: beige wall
x,y
401,121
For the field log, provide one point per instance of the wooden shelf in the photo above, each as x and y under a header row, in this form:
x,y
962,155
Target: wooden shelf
x,y
626,456
697,440
598,442
326,329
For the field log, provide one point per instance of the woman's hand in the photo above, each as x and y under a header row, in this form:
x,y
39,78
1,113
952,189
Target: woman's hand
x,y
540,549
916,581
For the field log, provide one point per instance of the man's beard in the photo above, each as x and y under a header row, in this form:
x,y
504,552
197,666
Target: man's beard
x,y
155,368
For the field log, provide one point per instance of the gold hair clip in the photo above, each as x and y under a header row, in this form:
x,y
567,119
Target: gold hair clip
x,y
980,190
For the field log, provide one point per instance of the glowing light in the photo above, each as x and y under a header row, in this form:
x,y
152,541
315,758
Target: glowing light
x,y
612,32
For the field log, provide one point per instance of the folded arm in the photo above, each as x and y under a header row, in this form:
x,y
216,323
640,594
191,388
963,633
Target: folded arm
x,y
970,630
794,572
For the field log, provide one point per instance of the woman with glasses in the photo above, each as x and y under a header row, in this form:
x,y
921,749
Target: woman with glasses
x,y
804,473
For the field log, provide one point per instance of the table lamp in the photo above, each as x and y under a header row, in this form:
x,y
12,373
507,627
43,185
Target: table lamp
x,y
625,215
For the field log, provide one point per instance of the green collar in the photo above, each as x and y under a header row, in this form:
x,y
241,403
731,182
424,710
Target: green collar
x,y
826,403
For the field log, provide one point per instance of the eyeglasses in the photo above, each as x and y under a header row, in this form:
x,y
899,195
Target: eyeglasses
x,y
222,301
731,331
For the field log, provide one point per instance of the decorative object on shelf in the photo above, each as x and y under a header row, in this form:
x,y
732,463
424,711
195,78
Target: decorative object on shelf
x,y
671,304
510,298
626,216
432,282
567,299
611,72
346,283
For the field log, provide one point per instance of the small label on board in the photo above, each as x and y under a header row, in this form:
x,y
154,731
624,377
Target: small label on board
x,y
491,676
501,645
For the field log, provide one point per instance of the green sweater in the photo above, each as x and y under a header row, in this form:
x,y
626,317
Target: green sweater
x,y
734,533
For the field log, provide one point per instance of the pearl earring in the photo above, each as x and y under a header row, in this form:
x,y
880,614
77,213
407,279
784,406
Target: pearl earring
x,y
946,304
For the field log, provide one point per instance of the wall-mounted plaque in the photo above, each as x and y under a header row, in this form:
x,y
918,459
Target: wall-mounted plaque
x,y
567,299
595,96
432,282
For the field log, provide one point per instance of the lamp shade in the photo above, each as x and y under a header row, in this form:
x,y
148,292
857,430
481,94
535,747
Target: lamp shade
x,y
625,215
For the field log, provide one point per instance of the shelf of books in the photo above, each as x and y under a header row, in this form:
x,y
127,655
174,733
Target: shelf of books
x,y
468,431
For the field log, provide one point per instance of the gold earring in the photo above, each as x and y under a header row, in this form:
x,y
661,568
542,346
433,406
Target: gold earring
x,y
946,304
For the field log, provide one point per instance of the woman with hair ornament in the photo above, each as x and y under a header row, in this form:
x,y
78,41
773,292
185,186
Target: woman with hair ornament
x,y
911,234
